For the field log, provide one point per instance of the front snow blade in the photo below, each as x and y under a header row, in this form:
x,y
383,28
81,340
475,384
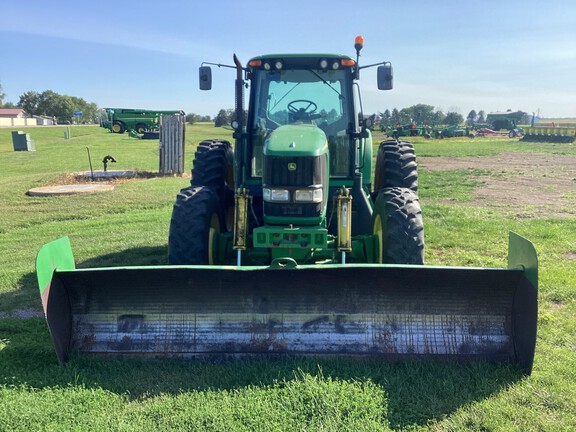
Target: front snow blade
x,y
388,311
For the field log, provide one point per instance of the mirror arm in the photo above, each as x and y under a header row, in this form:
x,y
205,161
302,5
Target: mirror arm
x,y
218,64
376,64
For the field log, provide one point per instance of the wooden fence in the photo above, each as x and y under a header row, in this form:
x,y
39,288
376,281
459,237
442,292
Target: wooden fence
x,y
172,142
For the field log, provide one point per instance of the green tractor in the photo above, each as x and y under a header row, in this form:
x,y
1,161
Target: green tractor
x,y
286,244
298,186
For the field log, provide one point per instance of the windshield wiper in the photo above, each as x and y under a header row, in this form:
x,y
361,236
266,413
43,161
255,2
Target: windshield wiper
x,y
327,83
286,94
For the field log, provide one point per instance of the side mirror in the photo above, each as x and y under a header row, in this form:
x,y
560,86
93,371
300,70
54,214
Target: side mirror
x,y
369,122
205,78
385,77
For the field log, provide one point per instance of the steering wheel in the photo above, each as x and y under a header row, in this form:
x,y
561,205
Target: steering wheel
x,y
305,112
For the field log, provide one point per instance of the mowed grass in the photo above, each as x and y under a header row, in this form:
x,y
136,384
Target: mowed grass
x,y
129,226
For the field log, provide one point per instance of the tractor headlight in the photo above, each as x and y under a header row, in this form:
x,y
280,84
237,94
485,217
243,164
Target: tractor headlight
x,y
308,195
275,195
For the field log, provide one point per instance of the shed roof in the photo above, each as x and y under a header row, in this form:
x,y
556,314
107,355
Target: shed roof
x,y
11,112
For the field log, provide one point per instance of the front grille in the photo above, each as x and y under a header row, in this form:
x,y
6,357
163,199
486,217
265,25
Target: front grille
x,y
292,173
306,171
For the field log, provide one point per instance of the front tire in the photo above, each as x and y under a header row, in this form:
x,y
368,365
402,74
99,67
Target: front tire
x,y
196,219
398,227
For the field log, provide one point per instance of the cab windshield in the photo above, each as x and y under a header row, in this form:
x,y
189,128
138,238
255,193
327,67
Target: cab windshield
x,y
318,97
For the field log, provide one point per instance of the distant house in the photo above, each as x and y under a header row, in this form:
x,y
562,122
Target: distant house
x,y
12,113
15,117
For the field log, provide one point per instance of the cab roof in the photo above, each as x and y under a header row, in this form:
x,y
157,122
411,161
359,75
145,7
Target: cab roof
x,y
301,61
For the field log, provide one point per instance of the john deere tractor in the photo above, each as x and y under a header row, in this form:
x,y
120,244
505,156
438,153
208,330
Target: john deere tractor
x,y
298,185
285,243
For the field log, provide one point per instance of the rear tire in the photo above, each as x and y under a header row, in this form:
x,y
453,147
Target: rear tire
x,y
397,224
396,166
196,218
213,165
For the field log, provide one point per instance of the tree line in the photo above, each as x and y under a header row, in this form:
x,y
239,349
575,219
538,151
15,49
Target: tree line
x,y
419,114
223,118
423,114
51,104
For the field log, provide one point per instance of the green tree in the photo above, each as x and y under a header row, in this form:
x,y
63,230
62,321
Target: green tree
x,y
56,105
49,103
192,118
481,116
438,118
421,113
29,102
395,116
79,104
405,116
65,108
386,118
89,110
2,96
472,116
221,118
453,118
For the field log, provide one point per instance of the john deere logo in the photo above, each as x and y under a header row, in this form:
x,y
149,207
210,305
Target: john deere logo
x,y
292,166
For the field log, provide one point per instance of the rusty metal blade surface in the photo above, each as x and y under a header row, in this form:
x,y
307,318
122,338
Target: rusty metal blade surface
x,y
387,311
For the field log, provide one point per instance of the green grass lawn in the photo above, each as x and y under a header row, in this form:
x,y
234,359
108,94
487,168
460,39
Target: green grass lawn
x,y
129,226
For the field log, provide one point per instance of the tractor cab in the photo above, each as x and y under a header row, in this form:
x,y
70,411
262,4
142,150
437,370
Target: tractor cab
x,y
312,94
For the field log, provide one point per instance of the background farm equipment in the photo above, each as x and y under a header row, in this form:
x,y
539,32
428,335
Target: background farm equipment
x,y
508,120
407,130
556,134
449,132
120,120
486,132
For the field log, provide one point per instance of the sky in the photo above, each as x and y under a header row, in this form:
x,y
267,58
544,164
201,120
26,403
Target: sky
x,y
454,55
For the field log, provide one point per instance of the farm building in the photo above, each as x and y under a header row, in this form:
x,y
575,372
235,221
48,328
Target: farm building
x,y
15,117
12,113
44,120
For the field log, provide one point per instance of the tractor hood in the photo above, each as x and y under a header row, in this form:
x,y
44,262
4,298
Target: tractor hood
x,y
295,163
300,139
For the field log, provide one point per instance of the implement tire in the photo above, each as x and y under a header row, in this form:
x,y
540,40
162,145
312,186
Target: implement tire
x,y
397,224
141,128
118,127
396,166
196,218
